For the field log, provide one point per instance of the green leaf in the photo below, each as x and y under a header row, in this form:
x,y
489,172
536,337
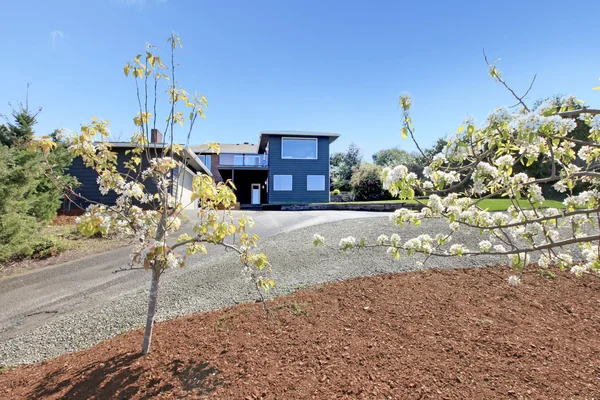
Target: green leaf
x,y
404,133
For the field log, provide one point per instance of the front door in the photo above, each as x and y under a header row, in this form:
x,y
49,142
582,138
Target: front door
x,y
256,193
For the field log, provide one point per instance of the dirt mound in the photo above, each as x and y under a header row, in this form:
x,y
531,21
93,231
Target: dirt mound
x,y
435,334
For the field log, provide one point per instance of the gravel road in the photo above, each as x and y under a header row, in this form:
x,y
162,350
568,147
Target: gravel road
x,y
210,282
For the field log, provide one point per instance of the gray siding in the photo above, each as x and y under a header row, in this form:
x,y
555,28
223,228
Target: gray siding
x,y
299,169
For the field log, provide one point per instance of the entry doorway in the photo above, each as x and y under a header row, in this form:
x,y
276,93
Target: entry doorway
x,y
256,193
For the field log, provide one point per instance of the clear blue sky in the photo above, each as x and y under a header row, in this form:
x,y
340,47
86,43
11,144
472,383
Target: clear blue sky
x,y
324,65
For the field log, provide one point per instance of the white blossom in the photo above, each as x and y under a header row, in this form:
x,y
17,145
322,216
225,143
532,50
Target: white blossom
x,y
514,280
485,246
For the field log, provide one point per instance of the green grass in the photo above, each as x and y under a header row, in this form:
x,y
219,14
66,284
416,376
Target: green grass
x,y
489,204
503,204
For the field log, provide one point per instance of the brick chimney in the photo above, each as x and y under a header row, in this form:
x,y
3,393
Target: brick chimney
x,y
155,136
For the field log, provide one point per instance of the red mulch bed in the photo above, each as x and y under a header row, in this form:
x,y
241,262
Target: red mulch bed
x,y
435,334
64,220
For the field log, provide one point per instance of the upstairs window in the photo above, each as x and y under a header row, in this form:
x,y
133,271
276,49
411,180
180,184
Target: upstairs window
x,y
299,149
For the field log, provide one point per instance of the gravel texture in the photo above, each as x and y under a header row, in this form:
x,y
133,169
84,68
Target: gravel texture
x,y
216,280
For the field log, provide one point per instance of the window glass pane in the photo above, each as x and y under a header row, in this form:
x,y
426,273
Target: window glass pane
x,y
207,158
238,160
315,182
282,182
299,148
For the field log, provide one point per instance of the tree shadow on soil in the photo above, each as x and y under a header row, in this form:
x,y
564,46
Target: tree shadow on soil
x,y
114,378
119,378
199,378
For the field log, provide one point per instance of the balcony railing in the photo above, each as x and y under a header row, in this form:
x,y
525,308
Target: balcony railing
x,y
244,160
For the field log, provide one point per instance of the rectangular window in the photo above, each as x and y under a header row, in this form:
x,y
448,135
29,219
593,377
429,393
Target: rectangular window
x,y
205,158
302,149
315,182
282,182
238,160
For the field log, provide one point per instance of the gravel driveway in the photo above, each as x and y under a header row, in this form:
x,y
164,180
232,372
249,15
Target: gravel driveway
x,y
213,282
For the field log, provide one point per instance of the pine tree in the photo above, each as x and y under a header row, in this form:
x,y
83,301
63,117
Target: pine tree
x,y
27,197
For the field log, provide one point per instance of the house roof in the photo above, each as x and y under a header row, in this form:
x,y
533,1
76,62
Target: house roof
x,y
191,158
236,148
264,136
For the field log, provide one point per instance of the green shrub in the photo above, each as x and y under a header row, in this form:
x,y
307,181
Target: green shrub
x,y
366,183
48,246
336,192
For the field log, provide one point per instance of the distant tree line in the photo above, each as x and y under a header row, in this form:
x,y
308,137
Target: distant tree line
x,y
349,173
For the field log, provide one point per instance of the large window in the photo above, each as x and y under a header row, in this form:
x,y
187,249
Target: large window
x,y
315,182
303,149
282,182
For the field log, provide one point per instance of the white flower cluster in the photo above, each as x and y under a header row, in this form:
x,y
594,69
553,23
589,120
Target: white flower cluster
x,y
347,243
484,173
504,161
514,280
485,246
318,239
422,243
404,215
458,249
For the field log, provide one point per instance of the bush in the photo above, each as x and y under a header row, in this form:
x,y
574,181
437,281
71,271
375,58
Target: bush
x,y
48,246
336,192
366,183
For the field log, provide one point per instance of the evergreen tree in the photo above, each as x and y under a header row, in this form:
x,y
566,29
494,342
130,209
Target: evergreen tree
x,y
27,197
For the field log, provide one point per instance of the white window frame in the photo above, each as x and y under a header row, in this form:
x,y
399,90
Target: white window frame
x,y
316,140
308,189
275,189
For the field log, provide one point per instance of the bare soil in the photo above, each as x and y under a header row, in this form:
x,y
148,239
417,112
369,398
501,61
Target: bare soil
x,y
439,334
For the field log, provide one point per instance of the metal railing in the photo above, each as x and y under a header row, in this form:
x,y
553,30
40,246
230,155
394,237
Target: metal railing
x,y
243,160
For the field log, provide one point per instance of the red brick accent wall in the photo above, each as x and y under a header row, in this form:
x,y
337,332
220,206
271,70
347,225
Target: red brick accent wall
x,y
214,168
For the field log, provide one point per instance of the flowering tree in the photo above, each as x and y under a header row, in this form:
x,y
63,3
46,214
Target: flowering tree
x,y
485,160
150,216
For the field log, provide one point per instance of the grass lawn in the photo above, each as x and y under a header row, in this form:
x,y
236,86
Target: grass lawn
x,y
62,243
489,204
503,204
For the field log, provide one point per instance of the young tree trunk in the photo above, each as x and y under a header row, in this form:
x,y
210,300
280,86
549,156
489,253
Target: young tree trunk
x,y
150,317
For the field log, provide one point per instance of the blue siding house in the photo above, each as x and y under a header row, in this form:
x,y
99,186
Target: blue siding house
x,y
284,167
89,193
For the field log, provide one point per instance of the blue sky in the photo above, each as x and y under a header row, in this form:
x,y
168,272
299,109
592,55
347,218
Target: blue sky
x,y
324,65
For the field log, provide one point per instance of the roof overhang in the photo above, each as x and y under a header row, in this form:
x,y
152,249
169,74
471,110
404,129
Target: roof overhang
x,y
189,157
265,135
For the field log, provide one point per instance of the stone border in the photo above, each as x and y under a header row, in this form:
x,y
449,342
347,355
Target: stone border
x,y
383,206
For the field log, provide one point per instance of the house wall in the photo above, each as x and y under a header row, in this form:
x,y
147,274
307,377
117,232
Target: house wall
x,y
299,169
89,186
185,189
